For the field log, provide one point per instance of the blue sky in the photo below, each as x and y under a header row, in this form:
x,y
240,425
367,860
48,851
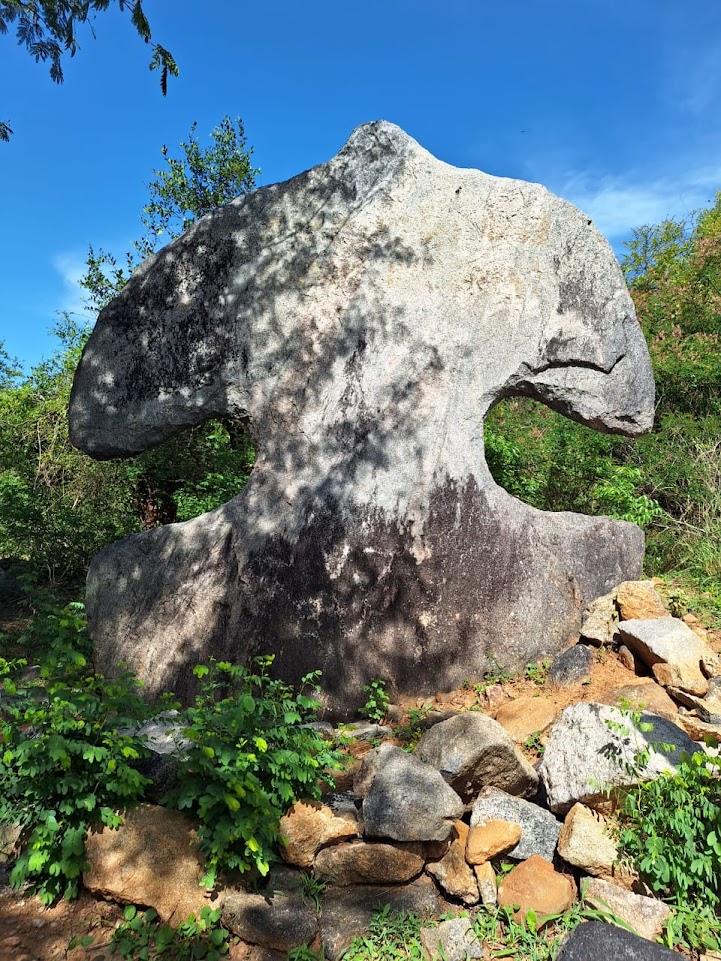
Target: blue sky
x,y
613,104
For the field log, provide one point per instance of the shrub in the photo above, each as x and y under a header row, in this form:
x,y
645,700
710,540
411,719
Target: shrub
x,y
377,702
67,761
252,756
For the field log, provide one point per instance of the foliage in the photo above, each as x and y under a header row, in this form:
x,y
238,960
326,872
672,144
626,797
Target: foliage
x,y
538,672
252,756
141,936
377,701
412,731
48,30
58,508
67,760
190,187
391,935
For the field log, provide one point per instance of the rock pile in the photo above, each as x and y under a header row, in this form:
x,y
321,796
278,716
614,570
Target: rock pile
x,y
420,831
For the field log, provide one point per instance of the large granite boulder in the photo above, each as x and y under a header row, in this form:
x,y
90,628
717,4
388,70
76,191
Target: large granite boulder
x,y
362,318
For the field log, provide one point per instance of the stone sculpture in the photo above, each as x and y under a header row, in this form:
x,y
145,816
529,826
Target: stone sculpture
x,y
363,317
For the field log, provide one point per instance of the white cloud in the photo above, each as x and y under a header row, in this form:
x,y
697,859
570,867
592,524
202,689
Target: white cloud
x,y
618,203
71,267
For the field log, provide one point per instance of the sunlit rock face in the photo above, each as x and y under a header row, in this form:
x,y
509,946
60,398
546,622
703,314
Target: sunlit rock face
x,y
364,316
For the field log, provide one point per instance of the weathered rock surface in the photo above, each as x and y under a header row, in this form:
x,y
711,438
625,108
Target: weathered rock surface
x,y
534,885
586,843
363,317
639,600
308,827
471,751
671,649
539,828
348,912
592,745
600,620
280,922
572,666
596,941
453,940
646,916
363,863
525,715
643,696
487,886
408,800
151,860
452,871
488,839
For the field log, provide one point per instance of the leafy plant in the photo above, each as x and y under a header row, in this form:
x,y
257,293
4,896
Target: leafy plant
x,y
412,731
538,672
141,933
377,702
67,759
534,744
391,935
252,756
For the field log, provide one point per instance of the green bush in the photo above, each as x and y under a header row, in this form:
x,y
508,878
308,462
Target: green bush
x,y
66,761
252,756
377,702
141,933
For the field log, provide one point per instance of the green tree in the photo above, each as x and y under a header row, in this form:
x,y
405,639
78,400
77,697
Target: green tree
x,y
59,507
48,30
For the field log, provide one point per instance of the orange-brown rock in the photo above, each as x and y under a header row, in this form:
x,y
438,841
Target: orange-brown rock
x,y
308,827
487,886
534,885
153,859
488,839
524,716
639,599
586,843
452,872
360,862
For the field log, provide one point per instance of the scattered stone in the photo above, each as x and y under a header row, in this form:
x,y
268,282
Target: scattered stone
x,y
313,342
492,696
408,800
596,941
9,837
707,709
361,862
524,716
671,649
600,621
280,922
644,696
571,667
452,940
308,827
152,860
364,730
487,886
534,885
627,658
472,750
539,828
711,664
638,600
646,916
697,729
488,839
347,912
452,872
585,842
591,748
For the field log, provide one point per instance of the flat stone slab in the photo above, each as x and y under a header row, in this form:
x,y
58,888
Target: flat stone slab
x,y
363,317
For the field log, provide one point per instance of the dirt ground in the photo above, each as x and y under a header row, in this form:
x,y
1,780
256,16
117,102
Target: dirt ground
x,y
30,932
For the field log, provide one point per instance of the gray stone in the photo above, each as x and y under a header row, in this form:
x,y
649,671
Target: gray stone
x,y
363,317
280,922
707,708
347,913
364,730
671,649
596,941
453,940
408,800
471,751
593,748
572,666
540,829
585,842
